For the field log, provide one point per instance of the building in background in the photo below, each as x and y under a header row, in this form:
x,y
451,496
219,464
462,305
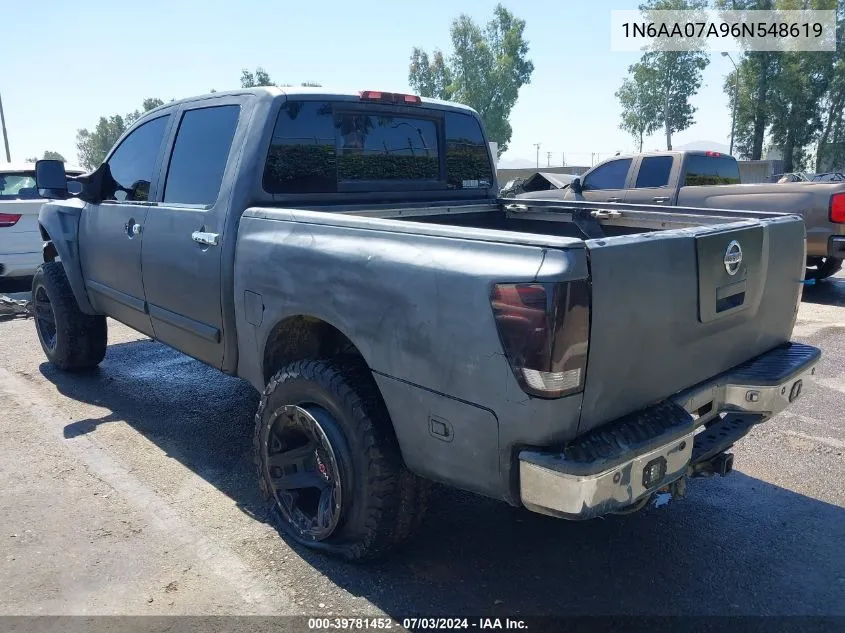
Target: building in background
x,y
751,171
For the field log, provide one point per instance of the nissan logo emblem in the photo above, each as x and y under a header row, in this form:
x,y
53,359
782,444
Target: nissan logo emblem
x,y
733,257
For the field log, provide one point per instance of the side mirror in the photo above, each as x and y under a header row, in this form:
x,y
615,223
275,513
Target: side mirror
x,y
51,179
575,186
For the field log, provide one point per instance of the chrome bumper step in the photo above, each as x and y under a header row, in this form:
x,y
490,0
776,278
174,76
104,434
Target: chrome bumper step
x,y
614,466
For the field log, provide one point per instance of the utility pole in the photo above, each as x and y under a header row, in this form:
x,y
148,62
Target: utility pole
x,y
537,145
563,159
736,97
548,159
666,115
5,136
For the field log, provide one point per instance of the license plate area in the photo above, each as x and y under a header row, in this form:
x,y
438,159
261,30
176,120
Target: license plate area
x,y
730,271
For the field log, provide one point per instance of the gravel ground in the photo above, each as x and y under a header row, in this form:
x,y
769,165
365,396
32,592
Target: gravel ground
x,y
130,491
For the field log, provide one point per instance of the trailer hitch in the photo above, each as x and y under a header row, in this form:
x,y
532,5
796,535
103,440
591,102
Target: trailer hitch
x,y
722,465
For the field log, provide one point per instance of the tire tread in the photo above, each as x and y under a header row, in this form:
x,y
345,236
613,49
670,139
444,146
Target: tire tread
x,y
396,497
81,339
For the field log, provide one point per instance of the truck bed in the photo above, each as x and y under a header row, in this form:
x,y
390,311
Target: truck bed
x,y
665,314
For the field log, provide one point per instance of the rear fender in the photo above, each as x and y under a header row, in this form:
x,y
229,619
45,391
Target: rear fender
x,y
59,226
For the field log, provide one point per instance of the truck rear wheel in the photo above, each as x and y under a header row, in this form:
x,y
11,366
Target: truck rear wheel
x,y
71,339
329,464
823,268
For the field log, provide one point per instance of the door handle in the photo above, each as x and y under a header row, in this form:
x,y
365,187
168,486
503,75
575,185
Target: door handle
x,y
661,199
209,239
614,199
132,229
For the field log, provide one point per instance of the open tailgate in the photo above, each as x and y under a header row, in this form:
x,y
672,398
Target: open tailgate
x,y
671,309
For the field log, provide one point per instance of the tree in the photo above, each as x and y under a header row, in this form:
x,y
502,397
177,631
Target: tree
x,y
48,155
676,73
831,143
801,91
756,71
753,112
485,71
92,147
430,77
638,98
261,78
793,97
253,80
796,117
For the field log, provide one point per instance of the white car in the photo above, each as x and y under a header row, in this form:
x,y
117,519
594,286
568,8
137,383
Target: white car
x,y
20,240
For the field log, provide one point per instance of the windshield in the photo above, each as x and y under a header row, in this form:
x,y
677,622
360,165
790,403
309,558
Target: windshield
x,y
18,186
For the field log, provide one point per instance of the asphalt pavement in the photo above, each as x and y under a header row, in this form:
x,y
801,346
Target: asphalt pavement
x,y
130,490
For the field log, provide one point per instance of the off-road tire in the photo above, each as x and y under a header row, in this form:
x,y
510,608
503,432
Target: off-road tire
x,y
80,340
382,501
827,267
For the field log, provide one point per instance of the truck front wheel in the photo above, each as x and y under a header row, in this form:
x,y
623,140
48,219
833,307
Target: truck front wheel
x,y
71,339
329,464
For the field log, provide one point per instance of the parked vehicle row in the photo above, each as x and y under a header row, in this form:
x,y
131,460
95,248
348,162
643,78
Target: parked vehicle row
x,y
711,180
348,255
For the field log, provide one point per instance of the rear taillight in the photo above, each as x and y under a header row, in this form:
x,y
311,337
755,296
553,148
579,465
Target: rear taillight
x,y
9,219
545,330
837,208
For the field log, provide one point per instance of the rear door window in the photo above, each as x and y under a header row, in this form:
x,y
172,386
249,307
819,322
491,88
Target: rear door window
x,y
200,155
654,172
611,175
701,169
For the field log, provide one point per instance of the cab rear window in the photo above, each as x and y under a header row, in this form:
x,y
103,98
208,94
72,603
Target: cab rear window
x,y
324,147
377,147
703,169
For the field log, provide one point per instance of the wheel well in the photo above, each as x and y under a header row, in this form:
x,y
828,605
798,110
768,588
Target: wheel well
x,y
303,337
50,253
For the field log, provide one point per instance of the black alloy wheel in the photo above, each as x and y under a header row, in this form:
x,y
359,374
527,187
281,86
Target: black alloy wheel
x,y
303,471
45,318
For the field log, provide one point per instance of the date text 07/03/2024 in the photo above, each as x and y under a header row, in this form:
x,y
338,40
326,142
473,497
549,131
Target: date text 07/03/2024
x,y
415,624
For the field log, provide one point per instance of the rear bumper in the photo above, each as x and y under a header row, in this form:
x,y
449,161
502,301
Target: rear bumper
x,y
836,246
19,264
616,465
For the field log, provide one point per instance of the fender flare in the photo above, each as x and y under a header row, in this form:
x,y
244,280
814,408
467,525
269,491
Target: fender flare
x,y
58,223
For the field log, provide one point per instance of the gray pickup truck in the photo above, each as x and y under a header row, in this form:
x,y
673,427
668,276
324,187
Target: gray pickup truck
x,y
711,179
348,256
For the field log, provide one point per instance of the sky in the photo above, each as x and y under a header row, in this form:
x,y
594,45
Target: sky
x,y
81,60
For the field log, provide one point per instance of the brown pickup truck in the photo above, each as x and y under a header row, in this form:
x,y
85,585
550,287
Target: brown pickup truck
x,y
711,180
